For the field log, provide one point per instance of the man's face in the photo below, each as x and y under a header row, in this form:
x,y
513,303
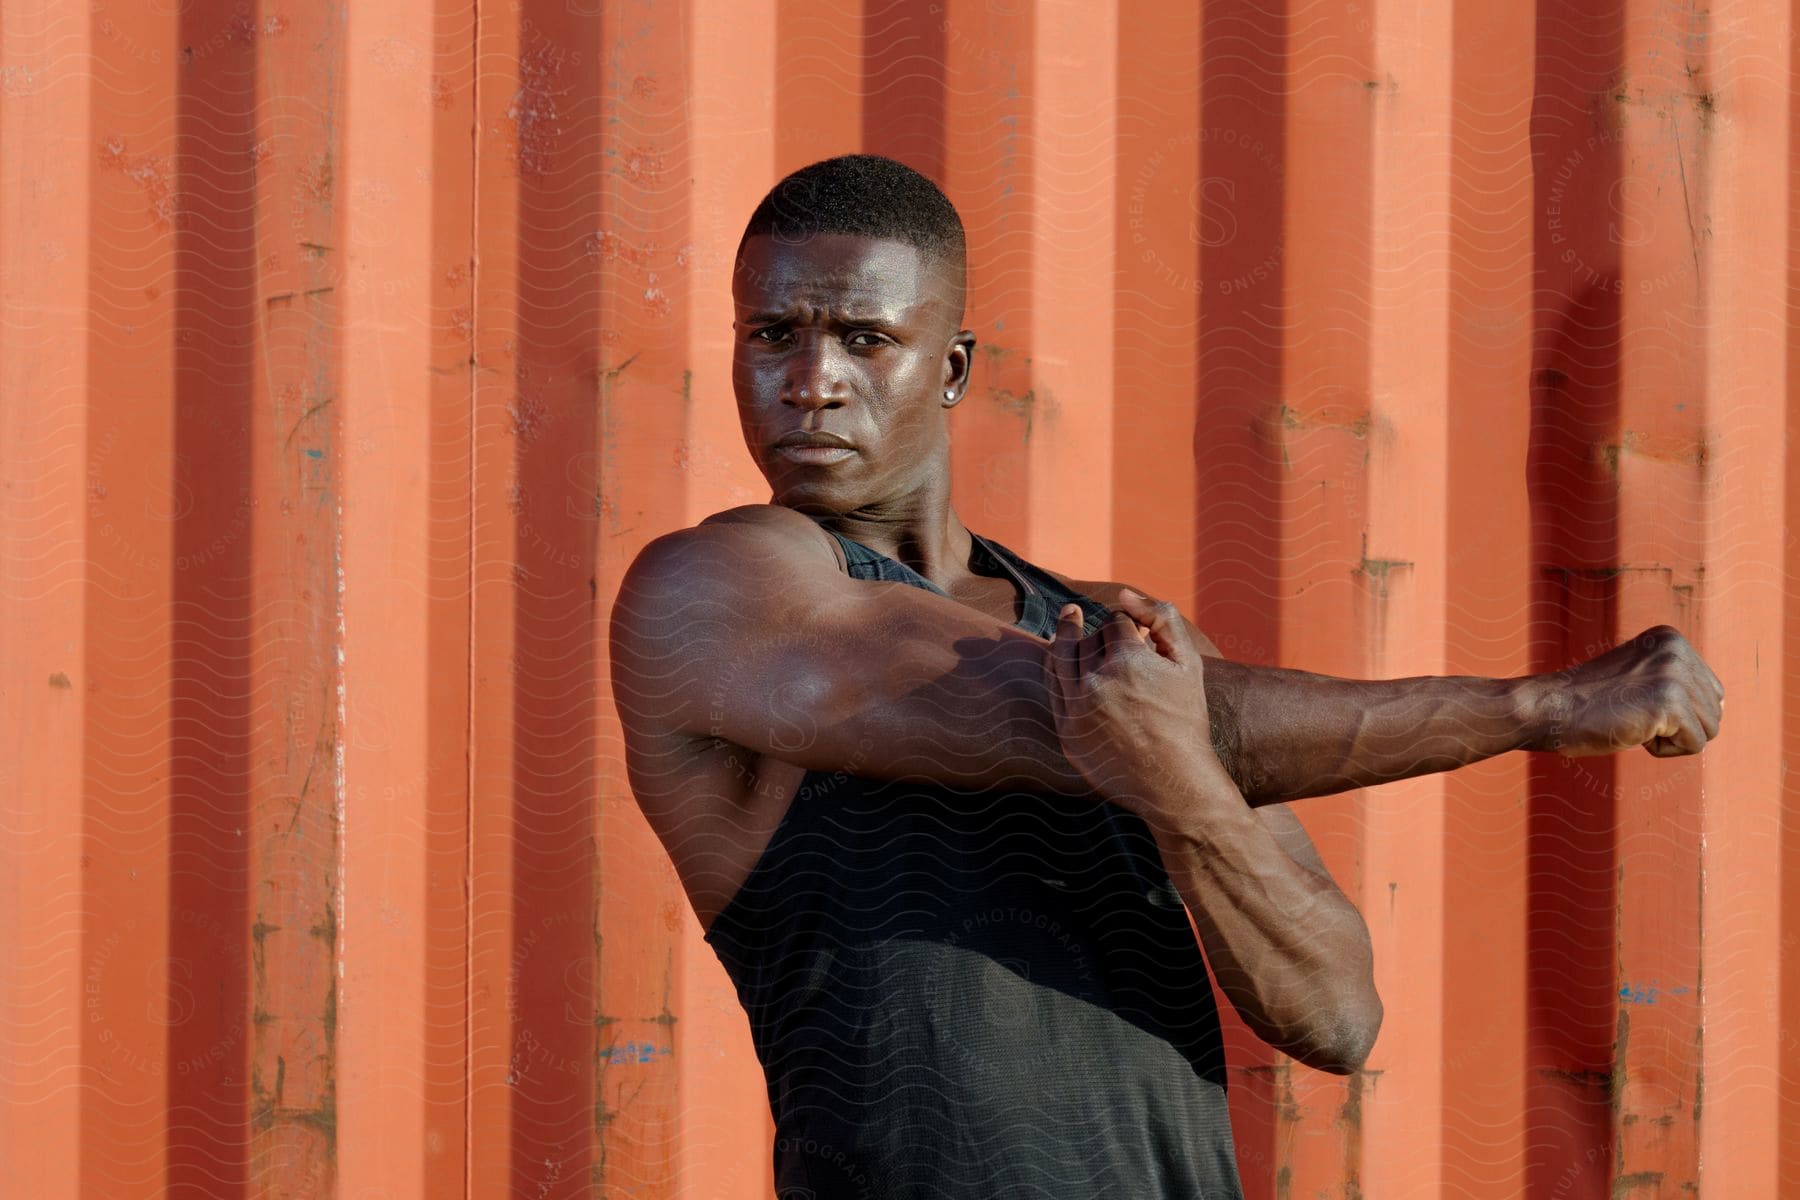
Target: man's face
x,y
848,336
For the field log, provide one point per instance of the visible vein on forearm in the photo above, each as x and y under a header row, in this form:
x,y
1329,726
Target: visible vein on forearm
x,y
1283,734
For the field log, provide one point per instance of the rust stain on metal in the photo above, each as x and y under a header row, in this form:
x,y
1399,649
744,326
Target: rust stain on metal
x,y
259,934
1350,1121
667,1015
1290,1118
268,1099
1352,420
1378,569
1655,447
606,457
316,179
1600,1081
603,1115
1615,1088
1608,106
1684,597
325,929
1022,405
1276,427
1700,989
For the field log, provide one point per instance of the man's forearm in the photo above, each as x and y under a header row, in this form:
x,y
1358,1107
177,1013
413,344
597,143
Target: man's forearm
x,y
1285,734
1286,947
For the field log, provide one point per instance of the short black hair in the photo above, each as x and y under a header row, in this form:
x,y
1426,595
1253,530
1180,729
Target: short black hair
x,y
863,195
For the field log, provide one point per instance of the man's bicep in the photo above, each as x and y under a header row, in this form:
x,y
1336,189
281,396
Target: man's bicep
x,y
774,650
716,632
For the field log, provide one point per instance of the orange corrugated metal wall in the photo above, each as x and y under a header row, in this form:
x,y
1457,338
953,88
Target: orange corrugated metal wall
x,y
349,353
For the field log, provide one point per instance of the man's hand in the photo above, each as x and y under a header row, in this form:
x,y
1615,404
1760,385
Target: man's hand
x,y
1129,702
1653,691
1287,947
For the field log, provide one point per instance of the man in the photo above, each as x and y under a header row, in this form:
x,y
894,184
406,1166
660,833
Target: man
x,y
943,813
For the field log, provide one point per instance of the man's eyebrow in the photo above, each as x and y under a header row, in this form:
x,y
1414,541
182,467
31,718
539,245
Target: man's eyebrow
x,y
762,317
847,316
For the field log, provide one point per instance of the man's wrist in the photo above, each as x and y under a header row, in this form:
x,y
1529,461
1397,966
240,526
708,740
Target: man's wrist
x,y
1215,833
1541,705
1192,801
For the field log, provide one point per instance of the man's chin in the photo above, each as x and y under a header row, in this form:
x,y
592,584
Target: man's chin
x,y
815,498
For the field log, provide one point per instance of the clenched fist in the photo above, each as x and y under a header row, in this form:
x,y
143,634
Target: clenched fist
x,y
1653,691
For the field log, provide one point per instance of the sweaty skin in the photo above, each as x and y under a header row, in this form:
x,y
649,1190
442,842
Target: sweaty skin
x,y
743,656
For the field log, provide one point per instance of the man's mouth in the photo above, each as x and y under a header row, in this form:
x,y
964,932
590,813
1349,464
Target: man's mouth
x,y
814,446
818,454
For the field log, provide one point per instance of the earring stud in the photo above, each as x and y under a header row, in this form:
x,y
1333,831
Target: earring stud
x,y
949,393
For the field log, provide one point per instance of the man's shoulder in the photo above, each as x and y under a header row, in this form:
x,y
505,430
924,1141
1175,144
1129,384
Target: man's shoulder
x,y
760,526
759,516
732,546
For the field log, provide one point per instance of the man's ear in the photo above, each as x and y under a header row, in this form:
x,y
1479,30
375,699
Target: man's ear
x,y
959,361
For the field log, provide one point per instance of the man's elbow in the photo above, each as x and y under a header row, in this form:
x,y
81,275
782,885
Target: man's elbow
x,y
1337,1035
1342,1046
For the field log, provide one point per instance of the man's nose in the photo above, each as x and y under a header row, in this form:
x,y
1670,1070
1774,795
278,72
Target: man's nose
x,y
815,373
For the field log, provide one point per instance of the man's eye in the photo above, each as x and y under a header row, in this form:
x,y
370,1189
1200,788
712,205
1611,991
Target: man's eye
x,y
773,333
865,338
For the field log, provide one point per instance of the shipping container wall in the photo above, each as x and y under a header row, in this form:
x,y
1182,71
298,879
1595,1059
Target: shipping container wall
x,y
348,354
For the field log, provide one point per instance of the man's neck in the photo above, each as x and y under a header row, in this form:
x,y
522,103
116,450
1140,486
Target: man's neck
x,y
935,544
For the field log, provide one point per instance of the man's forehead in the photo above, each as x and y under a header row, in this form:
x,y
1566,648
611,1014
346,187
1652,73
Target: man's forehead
x,y
843,268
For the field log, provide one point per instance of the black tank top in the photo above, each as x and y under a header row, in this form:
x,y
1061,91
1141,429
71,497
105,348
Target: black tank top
x,y
964,995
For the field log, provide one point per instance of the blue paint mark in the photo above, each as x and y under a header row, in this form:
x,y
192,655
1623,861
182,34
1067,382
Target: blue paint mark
x,y
312,453
1639,993
634,1052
